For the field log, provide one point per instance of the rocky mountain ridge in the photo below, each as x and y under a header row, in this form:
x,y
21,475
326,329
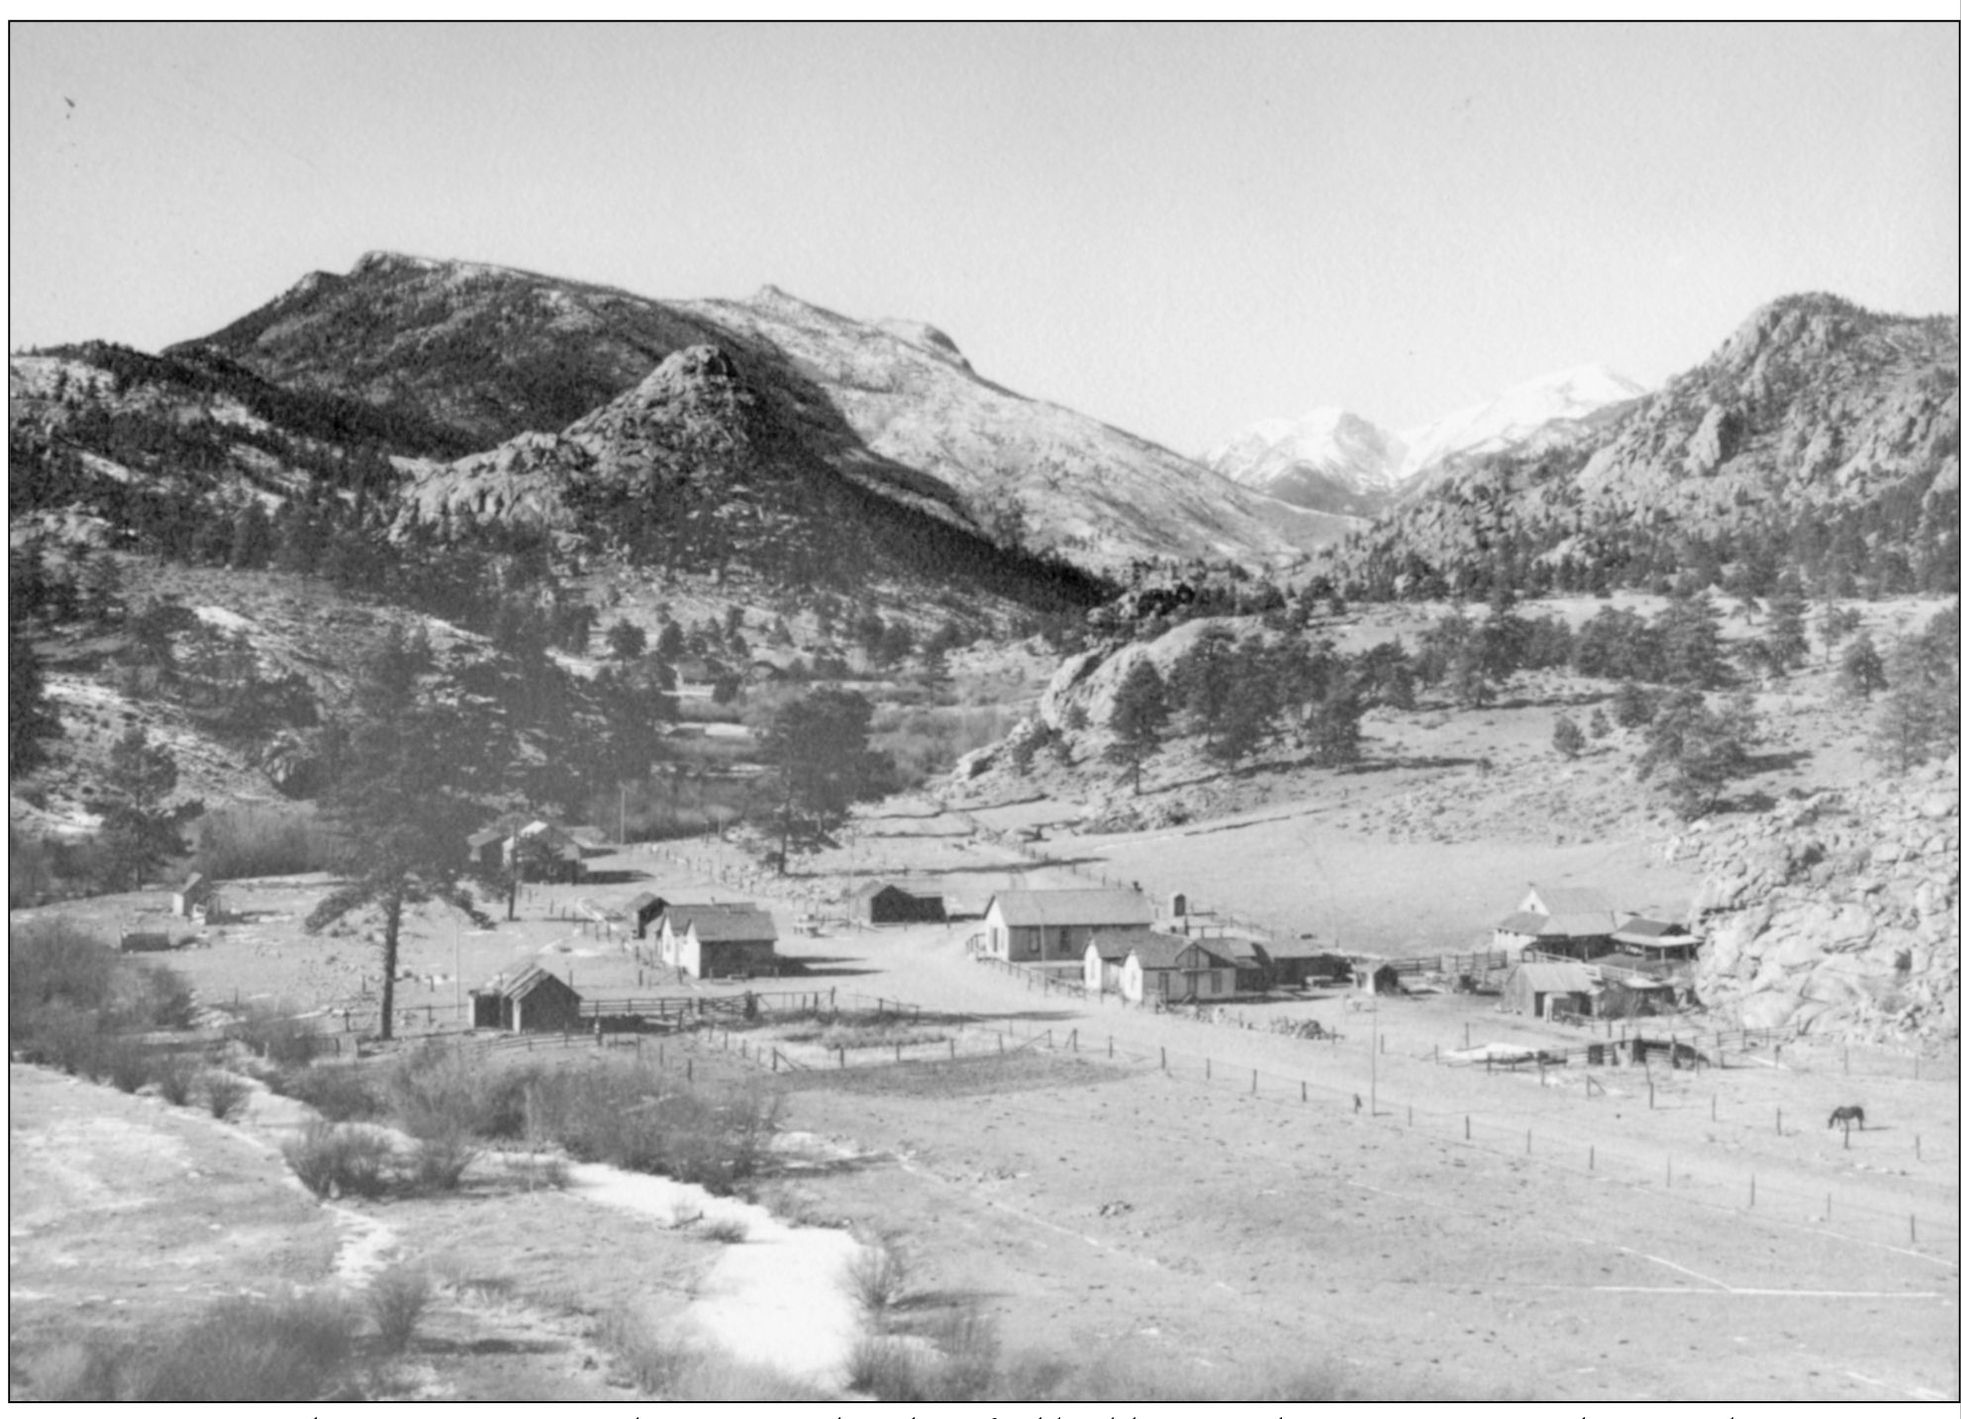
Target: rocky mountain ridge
x,y
1818,431
1835,913
488,353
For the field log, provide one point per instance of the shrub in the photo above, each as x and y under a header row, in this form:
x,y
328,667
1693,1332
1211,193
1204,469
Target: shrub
x,y
338,1159
175,1074
536,1170
725,1229
396,1299
653,1361
260,842
125,1062
438,1088
877,1275
246,1351
338,1093
69,1372
50,961
276,1033
148,996
224,1094
627,1117
441,1159
888,1368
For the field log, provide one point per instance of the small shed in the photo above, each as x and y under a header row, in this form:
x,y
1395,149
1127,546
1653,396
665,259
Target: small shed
x,y
643,912
1538,988
879,903
1377,978
1174,969
1103,965
196,892
1293,966
530,1001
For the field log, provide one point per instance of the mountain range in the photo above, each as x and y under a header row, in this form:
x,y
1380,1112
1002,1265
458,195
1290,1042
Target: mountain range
x,y
476,355
1334,460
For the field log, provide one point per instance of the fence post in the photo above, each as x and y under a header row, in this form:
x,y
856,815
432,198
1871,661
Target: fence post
x,y
949,1046
1780,1120
1668,1179
691,1069
1113,1046
1164,1060
1528,1142
1256,1081
1828,1207
1589,1157
1208,1066
1753,1189
1651,1091
1467,1128
1712,1108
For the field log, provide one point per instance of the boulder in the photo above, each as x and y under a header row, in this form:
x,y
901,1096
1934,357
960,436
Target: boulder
x,y
1767,1010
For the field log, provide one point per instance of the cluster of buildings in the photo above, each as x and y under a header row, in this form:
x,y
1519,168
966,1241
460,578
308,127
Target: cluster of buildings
x,y
1576,951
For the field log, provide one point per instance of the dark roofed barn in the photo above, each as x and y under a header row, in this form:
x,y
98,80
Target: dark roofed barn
x,y
879,903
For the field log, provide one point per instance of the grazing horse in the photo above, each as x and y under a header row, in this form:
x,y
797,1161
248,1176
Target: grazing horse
x,y
1845,1116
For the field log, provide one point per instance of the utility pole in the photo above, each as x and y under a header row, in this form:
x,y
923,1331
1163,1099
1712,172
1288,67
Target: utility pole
x,y
1375,1010
622,813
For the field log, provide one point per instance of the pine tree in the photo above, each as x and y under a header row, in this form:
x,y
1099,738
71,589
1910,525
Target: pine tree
x,y
139,833
31,718
395,805
1785,643
1202,683
1567,737
1862,671
1138,716
625,640
1693,752
1691,643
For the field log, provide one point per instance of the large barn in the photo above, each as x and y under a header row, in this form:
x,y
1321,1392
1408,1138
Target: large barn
x,y
1057,925
1575,922
714,942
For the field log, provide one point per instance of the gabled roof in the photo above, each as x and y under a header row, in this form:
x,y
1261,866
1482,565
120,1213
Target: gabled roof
x,y
1114,943
193,882
1240,950
483,837
1089,906
642,900
588,835
1158,953
724,923
1555,977
1524,923
1646,931
1577,901
521,981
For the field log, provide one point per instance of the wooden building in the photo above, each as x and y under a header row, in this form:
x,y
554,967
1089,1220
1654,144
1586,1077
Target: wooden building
x,y
1376,978
877,903
1576,923
1057,925
1538,988
714,942
1657,942
529,1001
643,913
195,893
1175,969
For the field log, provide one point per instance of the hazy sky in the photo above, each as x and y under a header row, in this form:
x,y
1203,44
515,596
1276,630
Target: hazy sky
x,y
1176,229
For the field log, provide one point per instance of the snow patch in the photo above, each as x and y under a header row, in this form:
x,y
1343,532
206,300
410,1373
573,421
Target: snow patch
x,y
223,619
780,1298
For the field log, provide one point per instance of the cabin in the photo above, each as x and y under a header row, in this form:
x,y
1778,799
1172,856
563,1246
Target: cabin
x,y
1377,978
1539,988
715,942
1576,923
195,893
1177,970
590,839
530,1001
1057,925
1251,972
644,911
486,845
559,856
879,903
144,941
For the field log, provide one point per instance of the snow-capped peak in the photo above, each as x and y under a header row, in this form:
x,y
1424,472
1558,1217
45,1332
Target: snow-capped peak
x,y
1514,415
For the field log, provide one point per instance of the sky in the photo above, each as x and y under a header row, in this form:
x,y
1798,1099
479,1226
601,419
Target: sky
x,y
1178,229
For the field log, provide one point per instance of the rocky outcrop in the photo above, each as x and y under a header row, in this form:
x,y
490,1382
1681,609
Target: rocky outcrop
x,y
1836,913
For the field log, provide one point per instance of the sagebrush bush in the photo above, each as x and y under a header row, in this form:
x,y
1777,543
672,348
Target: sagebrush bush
x,y
340,1160
248,1351
396,1299
223,1094
277,1034
441,1159
439,1087
50,962
728,1230
126,1062
877,1275
175,1073
629,1117
338,1093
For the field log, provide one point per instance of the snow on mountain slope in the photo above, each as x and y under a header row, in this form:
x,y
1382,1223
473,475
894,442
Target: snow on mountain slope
x,y
1514,416
1338,461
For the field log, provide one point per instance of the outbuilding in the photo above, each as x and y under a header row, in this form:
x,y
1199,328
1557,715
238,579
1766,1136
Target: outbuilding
x,y
196,892
1577,923
1174,969
643,912
1378,978
529,1001
877,903
1539,988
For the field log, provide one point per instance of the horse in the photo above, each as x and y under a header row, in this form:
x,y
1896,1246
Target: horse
x,y
1845,1115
